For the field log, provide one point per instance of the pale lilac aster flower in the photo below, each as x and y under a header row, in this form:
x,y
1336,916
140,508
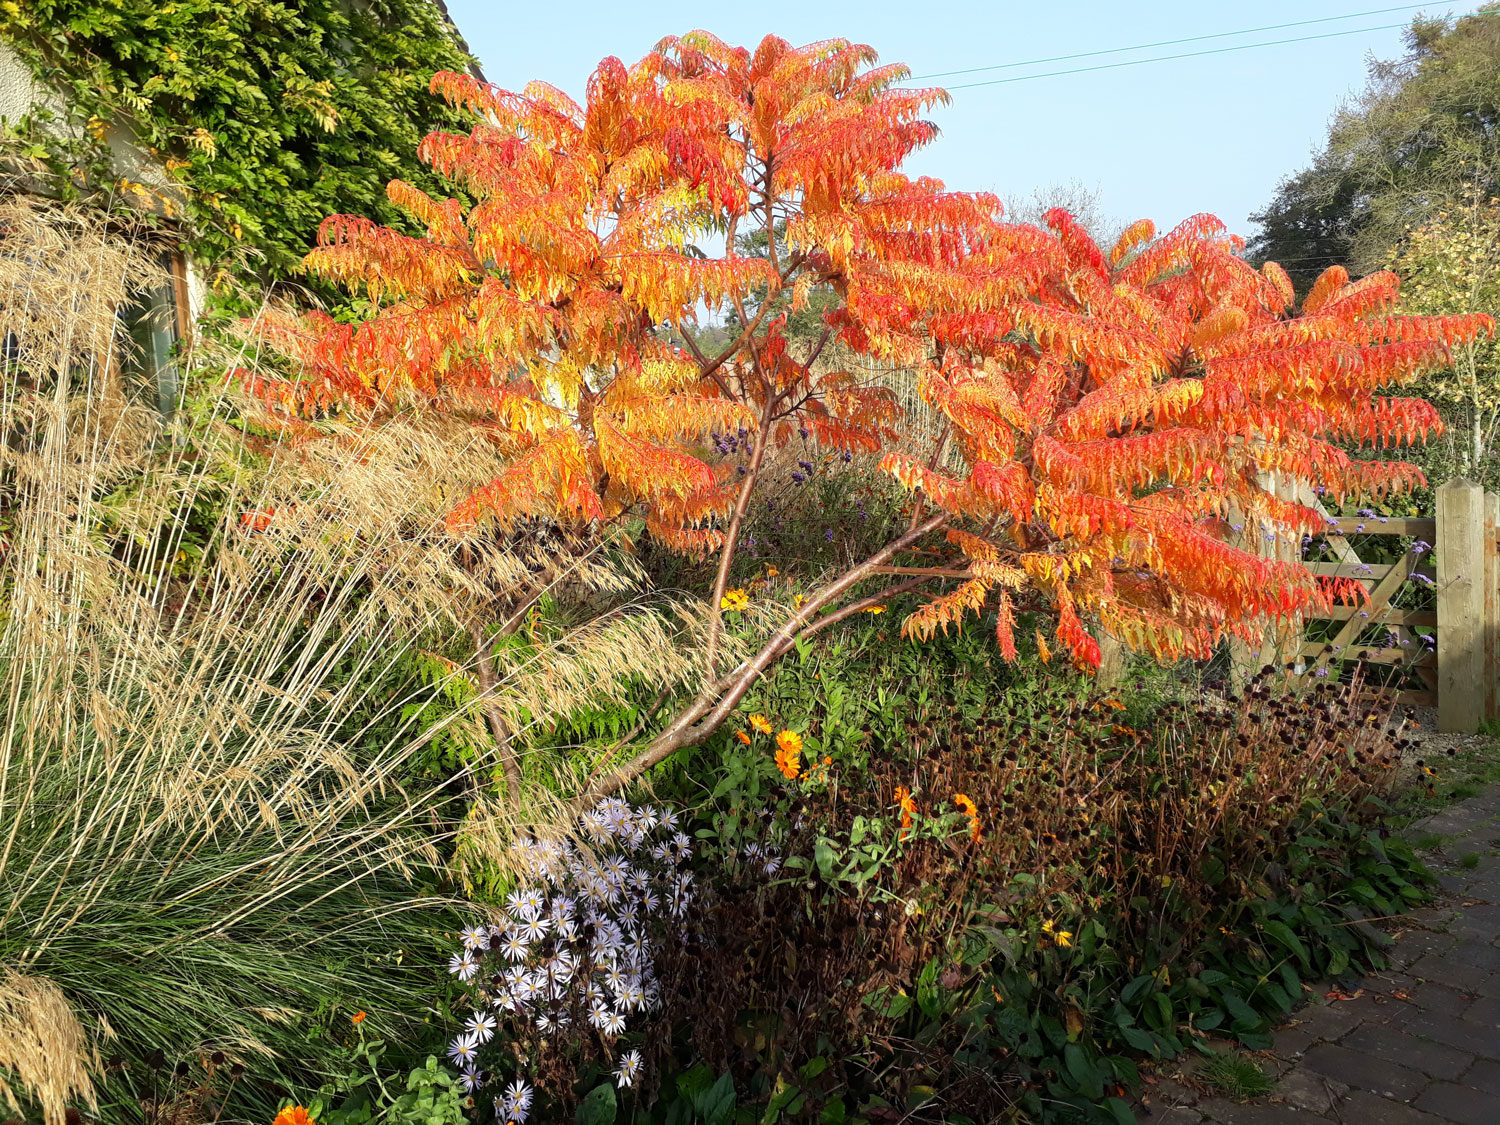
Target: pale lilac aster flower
x,y
614,1024
463,1049
481,1026
638,948
527,903
629,1068
632,997
613,977
516,946
530,988
474,936
470,1079
507,1001
517,1100
607,937
463,966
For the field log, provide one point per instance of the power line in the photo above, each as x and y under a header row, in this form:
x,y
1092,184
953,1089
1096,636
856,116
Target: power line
x,y
1168,42
1183,55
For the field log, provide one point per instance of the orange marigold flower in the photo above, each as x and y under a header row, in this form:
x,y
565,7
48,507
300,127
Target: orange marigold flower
x,y
772,572
969,809
293,1115
359,1017
789,753
908,808
761,723
742,736
789,762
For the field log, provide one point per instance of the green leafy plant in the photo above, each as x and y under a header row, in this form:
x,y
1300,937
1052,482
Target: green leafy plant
x,y
263,118
431,1095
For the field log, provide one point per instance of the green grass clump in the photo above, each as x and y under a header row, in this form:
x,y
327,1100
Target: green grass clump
x,y
1235,1075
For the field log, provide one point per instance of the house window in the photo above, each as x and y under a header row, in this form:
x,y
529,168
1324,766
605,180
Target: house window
x,y
153,323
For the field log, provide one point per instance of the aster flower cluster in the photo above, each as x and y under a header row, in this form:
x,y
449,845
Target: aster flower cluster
x,y
571,958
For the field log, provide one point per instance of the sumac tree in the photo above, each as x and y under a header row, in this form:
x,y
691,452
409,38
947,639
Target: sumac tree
x,y
1112,411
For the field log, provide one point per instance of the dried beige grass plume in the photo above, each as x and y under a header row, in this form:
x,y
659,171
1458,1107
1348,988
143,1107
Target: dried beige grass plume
x,y
63,273
43,1046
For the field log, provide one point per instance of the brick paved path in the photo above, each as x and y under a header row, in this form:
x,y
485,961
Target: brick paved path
x,y
1420,1042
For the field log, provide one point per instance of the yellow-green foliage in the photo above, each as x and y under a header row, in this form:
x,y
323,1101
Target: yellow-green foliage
x,y
265,117
1451,265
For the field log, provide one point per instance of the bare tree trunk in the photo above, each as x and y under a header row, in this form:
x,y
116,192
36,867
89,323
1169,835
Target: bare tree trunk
x,y
732,538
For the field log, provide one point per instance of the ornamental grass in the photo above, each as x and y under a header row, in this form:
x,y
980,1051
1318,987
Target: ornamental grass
x,y
213,838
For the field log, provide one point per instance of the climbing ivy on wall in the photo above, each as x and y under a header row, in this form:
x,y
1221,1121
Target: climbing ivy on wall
x,y
266,115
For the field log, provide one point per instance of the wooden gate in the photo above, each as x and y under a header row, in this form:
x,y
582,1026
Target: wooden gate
x,y
1397,644
1443,652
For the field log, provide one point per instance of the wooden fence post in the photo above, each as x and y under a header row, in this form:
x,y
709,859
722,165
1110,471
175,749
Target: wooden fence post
x,y
1492,604
1460,597
1283,643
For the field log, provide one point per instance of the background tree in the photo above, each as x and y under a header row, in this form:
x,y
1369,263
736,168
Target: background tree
x,y
1107,411
1452,266
1084,203
1425,128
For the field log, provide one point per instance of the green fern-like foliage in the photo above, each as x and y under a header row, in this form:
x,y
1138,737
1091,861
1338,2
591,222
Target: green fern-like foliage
x,y
265,115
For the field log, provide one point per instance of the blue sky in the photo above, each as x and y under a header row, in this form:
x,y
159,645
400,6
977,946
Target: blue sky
x,y
1162,140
